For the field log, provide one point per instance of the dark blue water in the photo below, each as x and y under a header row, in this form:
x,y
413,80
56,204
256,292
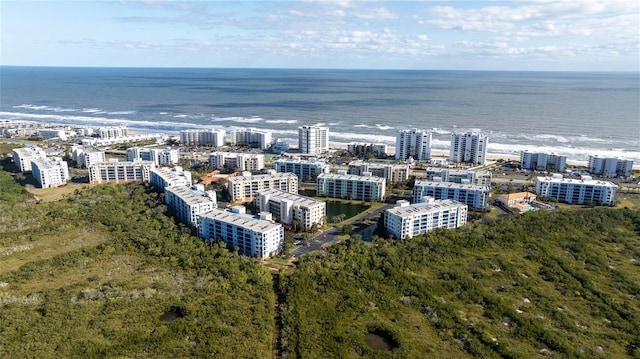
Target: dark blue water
x,y
575,114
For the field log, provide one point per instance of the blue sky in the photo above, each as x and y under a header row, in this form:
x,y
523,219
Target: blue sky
x,y
580,35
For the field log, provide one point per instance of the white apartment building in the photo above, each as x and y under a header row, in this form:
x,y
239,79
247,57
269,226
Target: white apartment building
x,y
252,137
542,161
22,156
116,140
86,156
474,196
50,172
165,177
364,149
470,147
255,237
410,220
161,157
213,137
112,132
342,185
287,207
413,143
245,188
394,173
302,168
610,167
190,202
478,178
117,172
577,191
237,161
313,140
52,133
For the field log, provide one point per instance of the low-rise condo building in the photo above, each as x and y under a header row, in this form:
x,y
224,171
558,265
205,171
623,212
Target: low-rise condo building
x,y
52,133
159,156
245,188
169,177
117,172
366,149
50,172
516,200
542,161
252,236
236,161
479,178
88,155
410,220
188,203
22,156
474,196
302,168
342,185
288,207
112,132
393,173
577,191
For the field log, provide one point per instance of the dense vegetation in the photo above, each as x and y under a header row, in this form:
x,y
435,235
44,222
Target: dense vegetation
x,y
543,284
103,272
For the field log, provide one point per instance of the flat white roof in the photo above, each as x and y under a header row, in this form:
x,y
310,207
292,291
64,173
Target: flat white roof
x,y
242,220
577,181
297,160
336,176
263,177
450,185
28,151
277,194
190,196
420,208
47,163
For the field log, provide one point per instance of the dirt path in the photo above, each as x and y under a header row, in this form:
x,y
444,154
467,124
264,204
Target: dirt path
x,y
277,347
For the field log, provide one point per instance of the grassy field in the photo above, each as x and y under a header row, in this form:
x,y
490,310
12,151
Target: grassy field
x,y
94,274
543,284
55,194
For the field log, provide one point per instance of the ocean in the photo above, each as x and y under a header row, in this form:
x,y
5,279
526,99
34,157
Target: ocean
x,y
568,113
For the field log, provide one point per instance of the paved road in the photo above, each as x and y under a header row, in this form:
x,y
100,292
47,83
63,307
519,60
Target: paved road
x,y
330,236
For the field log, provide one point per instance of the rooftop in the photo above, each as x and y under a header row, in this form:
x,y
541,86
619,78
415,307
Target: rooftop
x,y
352,177
450,185
265,176
28,151
47,163
296,198
190,196
512,196
560,179
426,207
242,220
297,160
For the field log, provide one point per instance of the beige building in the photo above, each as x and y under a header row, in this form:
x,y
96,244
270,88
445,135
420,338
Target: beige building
x,y
245,188
517,200
117,172
287,207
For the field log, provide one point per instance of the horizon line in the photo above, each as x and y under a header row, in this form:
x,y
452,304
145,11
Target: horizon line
x,y
310,69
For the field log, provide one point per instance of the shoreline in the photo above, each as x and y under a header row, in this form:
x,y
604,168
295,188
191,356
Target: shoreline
x,y
490,156
436,153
